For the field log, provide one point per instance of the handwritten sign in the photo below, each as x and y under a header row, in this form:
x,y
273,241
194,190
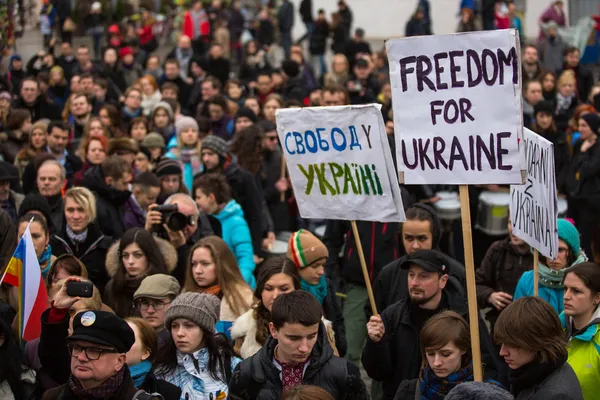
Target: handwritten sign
x,y
457,108
340,163
533,206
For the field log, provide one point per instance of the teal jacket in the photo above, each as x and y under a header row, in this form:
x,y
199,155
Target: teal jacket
x,y
584,354
554,297
236,234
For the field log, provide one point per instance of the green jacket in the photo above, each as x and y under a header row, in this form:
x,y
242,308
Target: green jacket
x,y
584,354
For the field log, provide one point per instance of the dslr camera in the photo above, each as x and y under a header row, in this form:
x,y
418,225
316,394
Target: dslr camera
x,y
175,220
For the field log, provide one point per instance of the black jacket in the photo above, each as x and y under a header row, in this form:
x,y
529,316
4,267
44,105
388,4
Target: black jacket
x,y
332,310
295,89
258,378
306,11
126,391
397,356
110,203
154,385
68,65
270,174
11,143
184,90
8,238
562,157
92,252
380,245
584,174
219,68
265,33
41,109
285,16
318,41
352,48
417,27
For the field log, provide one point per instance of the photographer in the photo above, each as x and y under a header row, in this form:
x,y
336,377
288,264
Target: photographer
x,y
363,87
182,224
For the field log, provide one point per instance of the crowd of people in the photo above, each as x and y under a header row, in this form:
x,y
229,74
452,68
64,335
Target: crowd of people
x,y
157,182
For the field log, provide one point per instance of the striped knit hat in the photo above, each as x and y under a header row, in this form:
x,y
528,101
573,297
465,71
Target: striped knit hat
x,y
304,248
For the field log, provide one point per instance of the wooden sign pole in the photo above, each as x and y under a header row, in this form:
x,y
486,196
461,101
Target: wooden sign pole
x,y
363,264
283,176
536,265
465,210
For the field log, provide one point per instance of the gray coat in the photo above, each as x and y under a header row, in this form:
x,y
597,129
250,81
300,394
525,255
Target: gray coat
x,y
562,384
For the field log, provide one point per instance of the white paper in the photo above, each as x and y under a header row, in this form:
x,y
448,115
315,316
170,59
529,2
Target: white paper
x,y
533,206
465,132
351,177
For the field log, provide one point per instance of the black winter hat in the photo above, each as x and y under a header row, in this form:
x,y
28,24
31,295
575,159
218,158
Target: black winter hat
x,y
102,327
246,112
290,68
544,106
36,202
593,120
167,166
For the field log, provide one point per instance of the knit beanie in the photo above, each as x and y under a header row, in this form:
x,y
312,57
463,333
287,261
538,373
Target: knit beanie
x,y
593,120
568,233
154,139
184,123
544,106
245,112
165,106
216,144
478,391
200,308
36,202
167,166
304,248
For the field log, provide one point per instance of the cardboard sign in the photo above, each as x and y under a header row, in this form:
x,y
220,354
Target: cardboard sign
x,y
340,163
533,206
457,108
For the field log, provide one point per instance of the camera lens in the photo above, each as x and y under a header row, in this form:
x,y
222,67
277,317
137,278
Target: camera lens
x,y
177,221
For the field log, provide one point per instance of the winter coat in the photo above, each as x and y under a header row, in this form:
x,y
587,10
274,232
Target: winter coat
x,y
122,302
551,53
32,359
306,11
583,182
396,357
133,215
188,25
192,376
500,271
285,16
243,333
551,14
295,89
562,157
318,41
584,353
11,142
109,203
40,109
78,176
154,385
265,33
114,75
332,311
269,175
562,118
30,387
219,68
126,391
236,234
132,74
148,102
562,384
416,27
184,89
379,241
253,65
92,252
258,378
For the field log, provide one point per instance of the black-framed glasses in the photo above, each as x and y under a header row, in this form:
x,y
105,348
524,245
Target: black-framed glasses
x,y
91,353
145,304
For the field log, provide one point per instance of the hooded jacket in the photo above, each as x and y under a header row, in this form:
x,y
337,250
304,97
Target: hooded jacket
x,y
109,203
258,378
396,357
236,234
122,302
584,353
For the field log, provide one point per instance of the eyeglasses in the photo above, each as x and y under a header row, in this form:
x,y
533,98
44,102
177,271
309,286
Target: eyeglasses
x,y
145,304
91,353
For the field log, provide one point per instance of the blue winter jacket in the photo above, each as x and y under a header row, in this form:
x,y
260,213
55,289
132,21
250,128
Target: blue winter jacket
x,y
236,234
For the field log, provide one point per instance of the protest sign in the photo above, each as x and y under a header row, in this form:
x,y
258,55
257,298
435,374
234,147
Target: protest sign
x,y
457,108
340,163
533,206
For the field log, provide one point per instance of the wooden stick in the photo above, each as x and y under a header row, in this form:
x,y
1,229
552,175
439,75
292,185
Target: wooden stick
x,y
363,264
536,263
465,211
283,176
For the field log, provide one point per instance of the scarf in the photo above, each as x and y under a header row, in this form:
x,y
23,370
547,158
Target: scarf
x,y
551,278
319,290
139,371
107,389
216,290
563,103
436,388
532,374
76,237
132,114
45,259
291,374
191,156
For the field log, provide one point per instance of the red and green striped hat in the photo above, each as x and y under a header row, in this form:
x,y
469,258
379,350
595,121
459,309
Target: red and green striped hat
x,y
304,248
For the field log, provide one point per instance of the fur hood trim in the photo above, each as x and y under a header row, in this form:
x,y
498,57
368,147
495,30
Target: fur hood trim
x,y
166,249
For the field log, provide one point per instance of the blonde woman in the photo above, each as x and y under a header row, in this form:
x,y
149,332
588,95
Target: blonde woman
x,y
340,71
36,144
566,100
151,95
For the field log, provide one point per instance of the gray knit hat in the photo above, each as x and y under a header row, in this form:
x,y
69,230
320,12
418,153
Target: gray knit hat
x,y
184,123
154,139
478,391
216,144
200,308
165,106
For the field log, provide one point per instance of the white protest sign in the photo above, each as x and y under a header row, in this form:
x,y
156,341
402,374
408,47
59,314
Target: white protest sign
x,y
340,163
457,108
533,206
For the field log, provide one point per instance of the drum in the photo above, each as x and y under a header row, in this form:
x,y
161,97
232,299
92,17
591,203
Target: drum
x,y
448,206
320,231
279,247
492,213
562,208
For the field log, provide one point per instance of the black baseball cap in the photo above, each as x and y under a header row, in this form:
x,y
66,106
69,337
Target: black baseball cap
x,y
105,328
429,260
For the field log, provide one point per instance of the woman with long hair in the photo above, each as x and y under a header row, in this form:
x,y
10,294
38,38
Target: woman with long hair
x,y
340,71
581,320
41,239
253,103
138,129
137,255
93,152
63,267
212,269
142,356
272,104
247,146
151,95
37,144
276,276
59,87
548,80
566,99
445,345
195,358
111,119
15,135
534,347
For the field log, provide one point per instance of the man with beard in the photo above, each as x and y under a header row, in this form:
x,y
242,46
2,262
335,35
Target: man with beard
x,y
391,354
110,183
58,139
532,71
532,95
81,110
211,87
34,101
